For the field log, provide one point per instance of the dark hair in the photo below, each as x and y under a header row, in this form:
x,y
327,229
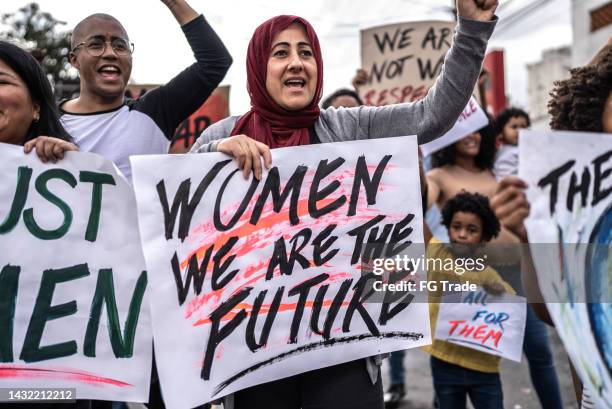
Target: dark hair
x,y
577,103
507,114
327,102
39,88
476,204
486,155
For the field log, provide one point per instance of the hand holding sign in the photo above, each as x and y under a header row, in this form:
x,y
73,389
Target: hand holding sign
x,y
480,10
511,206
493,324
248,153
263,279
360,78
494,288
49,148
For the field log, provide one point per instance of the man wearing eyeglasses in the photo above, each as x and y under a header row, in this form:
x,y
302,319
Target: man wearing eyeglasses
x,y
103,121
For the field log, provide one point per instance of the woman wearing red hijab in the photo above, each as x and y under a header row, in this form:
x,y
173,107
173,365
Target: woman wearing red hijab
x,y
285,82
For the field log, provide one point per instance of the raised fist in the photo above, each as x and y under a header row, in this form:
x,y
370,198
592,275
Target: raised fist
x,y
481,10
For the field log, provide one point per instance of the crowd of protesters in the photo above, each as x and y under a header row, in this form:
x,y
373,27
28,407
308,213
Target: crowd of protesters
x,y
472,183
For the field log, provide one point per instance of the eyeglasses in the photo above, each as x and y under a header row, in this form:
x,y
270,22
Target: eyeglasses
x,y
96,46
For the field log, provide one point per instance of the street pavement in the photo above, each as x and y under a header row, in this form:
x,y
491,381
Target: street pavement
x,y
518,390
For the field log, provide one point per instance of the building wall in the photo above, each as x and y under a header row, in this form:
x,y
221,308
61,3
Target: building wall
x,y
586,43
541,76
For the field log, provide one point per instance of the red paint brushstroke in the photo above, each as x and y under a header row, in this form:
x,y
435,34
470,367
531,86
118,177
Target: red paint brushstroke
x,y
69,375
271,226
208,302
269,217
269,229
265,308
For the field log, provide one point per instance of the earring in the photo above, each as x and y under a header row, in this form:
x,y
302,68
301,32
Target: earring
x,y
36,118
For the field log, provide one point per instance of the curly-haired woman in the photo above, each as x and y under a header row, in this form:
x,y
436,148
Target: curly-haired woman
x,y
580,103
583,102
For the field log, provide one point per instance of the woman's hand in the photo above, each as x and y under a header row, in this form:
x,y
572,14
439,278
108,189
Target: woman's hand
x,y
49,148
360,79
248,153
511,206
481,10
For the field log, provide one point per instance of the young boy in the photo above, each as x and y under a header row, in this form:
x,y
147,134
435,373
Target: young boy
x,y
507,126
459,371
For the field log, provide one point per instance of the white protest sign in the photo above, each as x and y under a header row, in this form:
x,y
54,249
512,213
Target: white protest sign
x,y
570,230
257,281
471,119
494,324
73,304
403,60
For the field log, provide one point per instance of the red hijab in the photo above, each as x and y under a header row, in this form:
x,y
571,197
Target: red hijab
x,y
267,122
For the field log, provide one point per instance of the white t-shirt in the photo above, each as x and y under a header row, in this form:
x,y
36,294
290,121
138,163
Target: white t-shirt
x,y
116,135
146,125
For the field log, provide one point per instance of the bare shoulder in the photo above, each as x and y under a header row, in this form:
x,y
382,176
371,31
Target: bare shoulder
x,y
438,174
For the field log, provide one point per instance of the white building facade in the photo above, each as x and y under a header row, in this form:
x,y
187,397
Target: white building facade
x,y
541,76
592,28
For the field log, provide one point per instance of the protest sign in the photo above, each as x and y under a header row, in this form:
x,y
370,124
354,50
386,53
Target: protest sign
x,y
494,324
570,231
255,281
403,60
471,119
214,109
73,304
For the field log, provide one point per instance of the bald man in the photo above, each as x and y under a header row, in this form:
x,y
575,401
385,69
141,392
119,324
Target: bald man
x,y
103,121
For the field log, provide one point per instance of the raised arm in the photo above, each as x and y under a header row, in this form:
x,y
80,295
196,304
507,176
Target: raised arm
x,y
432,116
182,12
172,103
511,208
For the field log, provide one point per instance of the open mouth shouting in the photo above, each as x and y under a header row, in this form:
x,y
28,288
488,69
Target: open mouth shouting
x,y
110,72
295,83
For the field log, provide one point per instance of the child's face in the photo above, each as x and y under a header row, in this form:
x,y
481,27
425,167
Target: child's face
x,y
465,228
510,133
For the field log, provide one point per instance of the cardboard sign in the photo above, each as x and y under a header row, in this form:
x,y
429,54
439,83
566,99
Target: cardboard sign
x,y
471,119
403,60
257,281
491,324
570,192
214,109
74,309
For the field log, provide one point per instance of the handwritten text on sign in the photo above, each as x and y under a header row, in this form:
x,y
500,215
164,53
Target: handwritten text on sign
x,y
403,60
570,193
487,323
73,310
214,109
259,280
470,120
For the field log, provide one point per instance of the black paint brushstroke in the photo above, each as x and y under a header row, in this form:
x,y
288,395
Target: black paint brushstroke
x,y
464,341
312,347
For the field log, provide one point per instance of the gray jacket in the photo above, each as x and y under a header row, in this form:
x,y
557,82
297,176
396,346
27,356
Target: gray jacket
x,y
428,118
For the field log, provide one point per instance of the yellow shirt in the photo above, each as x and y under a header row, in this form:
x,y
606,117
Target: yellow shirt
x,y
446,351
